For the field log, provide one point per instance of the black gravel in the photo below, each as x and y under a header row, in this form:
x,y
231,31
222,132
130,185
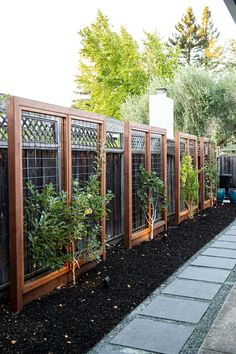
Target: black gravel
x,y
74,319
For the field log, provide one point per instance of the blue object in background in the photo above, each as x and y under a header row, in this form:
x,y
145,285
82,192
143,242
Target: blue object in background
x,y
232,196
220,195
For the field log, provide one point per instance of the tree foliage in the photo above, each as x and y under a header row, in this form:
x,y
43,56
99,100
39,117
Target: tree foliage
x,y
198,43
204,103
208,33
160,59
110,68
187,38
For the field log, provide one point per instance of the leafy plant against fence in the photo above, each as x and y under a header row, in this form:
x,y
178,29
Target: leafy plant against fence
x,y
211,175
152,196
188,184
54,228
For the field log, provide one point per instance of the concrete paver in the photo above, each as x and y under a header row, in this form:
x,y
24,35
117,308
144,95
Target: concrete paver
x,y
221,337
228,238
220,252
177,313
215,262
158,337
230,232
206,274
175,308
192,288
224,244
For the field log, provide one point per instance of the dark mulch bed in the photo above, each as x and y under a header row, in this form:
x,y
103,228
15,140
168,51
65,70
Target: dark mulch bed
x,y
74,319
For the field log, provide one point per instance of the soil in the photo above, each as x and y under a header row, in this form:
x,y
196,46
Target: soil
x,y
74,319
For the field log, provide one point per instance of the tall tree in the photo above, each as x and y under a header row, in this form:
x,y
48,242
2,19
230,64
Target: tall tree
x,y
208,46
110,68
204,103
187,38
160,59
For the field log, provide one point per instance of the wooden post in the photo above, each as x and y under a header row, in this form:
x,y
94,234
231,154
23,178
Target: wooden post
x,y
127,186
148,168
177,178
164,172
102,141
67,158
202,187
15,183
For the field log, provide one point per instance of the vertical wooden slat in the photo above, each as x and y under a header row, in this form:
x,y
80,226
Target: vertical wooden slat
x,y
16,235
164,171
196,166
127,186
177,178
148,164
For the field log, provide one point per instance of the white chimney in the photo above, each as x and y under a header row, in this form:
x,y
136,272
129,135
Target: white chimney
x,y
161,112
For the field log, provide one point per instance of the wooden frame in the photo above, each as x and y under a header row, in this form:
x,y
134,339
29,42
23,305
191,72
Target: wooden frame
x,y
22,292
205,203
133,238
181,215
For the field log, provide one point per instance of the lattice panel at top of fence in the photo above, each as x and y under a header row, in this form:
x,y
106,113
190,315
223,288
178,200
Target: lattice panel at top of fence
x,y
39,128
138,142
3,120
84,135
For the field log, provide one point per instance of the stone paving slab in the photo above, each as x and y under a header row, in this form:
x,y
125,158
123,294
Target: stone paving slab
x,y
230,232
176,309
111,352
228,238
192,288
158,337
205,274
219,252
215,262
224,244
221,337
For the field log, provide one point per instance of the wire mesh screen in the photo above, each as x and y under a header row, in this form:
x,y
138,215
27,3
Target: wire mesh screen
x,y
4,241
192,151
41,143
114,178
156,158
182,153
138,158
84,141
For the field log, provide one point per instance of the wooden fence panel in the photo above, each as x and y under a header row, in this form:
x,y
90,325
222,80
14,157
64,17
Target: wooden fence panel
x,y
42,156
227,165
184,143
139,142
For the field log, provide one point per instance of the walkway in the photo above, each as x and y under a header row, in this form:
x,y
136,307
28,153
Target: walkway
x,y
178,315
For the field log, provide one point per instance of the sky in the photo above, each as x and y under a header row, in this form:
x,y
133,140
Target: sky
x,y
40,42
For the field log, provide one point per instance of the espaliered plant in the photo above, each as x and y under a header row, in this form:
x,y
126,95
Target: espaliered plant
x,y
46,227
188,184
54,229
211,175
87,208
151,195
